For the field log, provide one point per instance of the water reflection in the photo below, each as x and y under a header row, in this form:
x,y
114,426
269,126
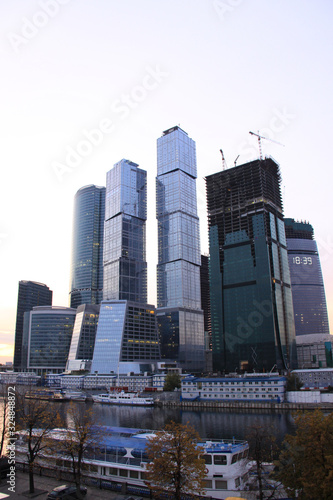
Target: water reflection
x,y
213,424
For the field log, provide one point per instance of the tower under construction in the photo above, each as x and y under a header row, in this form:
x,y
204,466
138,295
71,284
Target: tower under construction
x,y
251,301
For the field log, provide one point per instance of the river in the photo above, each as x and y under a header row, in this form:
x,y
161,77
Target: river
x,y
213,424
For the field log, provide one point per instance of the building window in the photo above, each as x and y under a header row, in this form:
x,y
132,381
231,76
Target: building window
x,y
221,485
220,460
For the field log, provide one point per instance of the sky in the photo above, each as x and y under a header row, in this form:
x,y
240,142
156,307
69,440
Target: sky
x,y
86,83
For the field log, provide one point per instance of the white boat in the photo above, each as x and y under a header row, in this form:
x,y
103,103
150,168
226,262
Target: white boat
x,y
121,458
123,398
75,395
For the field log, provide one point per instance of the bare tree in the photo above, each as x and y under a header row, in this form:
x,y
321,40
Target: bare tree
x,y
82,434
37,419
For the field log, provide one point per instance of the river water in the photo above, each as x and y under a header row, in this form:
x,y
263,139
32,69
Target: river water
x,y
213,424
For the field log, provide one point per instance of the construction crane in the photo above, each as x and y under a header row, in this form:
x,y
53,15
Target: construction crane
x,y
236,161
224,163
259,141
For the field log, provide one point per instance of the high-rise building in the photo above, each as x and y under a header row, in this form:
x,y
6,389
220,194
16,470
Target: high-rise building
x,y
179,314
125,266
251,302
30,294
126,339
205,299
307,283
49,338
86,282
83,339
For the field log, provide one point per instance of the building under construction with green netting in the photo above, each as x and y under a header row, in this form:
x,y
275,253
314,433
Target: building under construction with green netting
x,y
251,302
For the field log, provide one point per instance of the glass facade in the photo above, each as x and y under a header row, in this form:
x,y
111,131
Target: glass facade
x,y
30,294
251,303
126,338
86,282
125,266
84,334
179,260
50,334
308,292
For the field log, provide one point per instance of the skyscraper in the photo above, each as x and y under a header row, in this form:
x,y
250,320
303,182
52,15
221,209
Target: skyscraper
x,y
307,283
86,282
83,339
125,266
126,339
30,294
179,313
49,338
251,302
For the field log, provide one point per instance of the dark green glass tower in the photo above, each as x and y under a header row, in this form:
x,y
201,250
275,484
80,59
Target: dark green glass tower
x,y
251,303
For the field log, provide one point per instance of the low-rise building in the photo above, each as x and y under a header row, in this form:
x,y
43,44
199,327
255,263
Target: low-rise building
x,y
320,378
249,388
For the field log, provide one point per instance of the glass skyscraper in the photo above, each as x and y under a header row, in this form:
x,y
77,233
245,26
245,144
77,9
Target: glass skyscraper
x,y
179,314
125,266
86,282
30,294
307,283
49,338
126,339
83,339
251,302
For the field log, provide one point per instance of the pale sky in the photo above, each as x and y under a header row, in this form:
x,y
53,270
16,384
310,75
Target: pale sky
x,y
217,68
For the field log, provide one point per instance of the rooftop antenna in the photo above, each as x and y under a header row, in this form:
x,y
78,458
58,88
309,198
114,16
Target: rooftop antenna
x,y
224,163
259,141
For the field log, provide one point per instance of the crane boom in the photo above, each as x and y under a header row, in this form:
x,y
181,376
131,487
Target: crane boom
x,y
259,141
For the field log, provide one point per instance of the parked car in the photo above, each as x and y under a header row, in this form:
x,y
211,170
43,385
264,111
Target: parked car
x,y
65,492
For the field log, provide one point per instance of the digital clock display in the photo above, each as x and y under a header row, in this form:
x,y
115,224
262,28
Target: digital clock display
x,y
302,260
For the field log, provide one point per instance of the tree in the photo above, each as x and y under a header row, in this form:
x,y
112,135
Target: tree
x,y
262,449
37,418
172,382
82,434
305,465
176,467
293,383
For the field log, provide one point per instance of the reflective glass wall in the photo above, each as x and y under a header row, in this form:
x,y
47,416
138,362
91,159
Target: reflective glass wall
x,y
179,260
50,334
251,303
86,283
308,290
125,266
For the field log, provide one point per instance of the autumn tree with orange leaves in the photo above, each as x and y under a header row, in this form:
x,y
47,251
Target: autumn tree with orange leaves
x,y
176,467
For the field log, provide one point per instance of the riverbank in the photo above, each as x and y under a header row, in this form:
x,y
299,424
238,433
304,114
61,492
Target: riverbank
x,y
249,405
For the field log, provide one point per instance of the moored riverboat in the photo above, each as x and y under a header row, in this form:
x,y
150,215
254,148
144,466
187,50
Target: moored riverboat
x,y
123,398
120,457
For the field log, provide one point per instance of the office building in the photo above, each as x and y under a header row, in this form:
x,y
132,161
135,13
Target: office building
x,y
125,266
307,285
86,282
83,339
126,339
50,335
205,299
179,313
30,294
251,303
